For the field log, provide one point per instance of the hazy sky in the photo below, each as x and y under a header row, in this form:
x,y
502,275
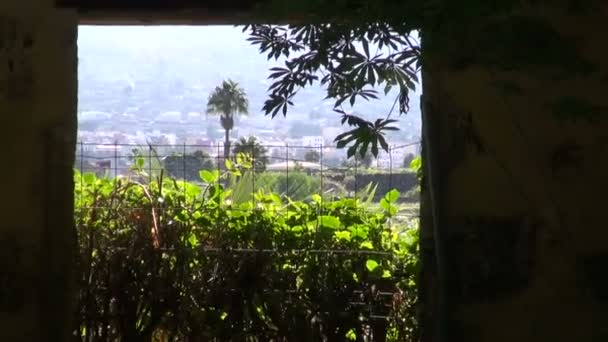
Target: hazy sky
x,y
202,55
163,36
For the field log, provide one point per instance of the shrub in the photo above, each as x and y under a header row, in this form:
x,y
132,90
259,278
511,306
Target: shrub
x,y
186,262
187,167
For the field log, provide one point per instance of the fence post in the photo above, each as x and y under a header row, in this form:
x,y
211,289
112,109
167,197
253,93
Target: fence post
x,y
115,159
287,167
150,162
253,172
321,172
184,165
390,168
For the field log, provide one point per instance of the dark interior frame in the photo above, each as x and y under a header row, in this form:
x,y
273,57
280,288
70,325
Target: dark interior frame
x,y
165,12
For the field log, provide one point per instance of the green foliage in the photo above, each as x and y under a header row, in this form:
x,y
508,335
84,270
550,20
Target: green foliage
x,y
190,262
251,147
187,167
227,101
350,62
312,156
407,160
364,161
295,185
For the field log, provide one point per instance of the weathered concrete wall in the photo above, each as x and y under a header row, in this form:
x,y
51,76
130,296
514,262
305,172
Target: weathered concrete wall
x,y
523,140
38,120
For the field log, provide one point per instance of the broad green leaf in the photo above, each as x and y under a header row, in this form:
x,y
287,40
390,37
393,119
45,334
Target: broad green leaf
x,y
371,265
329,221
208,176
392,196
367,245
384,204
89,177
359,231
416,164
386,274
351,335
192,190
229,164
140,162
410,238
239,158
343,235
193,240
316,198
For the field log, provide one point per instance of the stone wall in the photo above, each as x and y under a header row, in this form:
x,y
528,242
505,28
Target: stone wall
x,y
521,186
38,120
521,106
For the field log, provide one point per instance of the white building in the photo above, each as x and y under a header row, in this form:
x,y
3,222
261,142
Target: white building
x,y
312,141
395,158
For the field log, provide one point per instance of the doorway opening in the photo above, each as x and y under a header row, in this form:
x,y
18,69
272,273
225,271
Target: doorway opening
x,y
201,218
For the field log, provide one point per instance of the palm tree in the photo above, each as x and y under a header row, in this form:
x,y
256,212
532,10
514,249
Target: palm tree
x,y
227,101
254,149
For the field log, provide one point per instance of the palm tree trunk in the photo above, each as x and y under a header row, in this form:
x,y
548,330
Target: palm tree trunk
x,y
227,144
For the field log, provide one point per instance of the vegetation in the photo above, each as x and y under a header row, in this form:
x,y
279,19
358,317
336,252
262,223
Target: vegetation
x,y
296,185
187,166
312,156
252,147
407,160
228,101
350,62
175,261
364,161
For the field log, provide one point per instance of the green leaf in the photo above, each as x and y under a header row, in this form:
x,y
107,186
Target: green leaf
x,y
351,335
392,196
416,164
359,231
89,177
208,176
384,204
386,274
343,235
316,198
371,265
193,240
329,221
229,164
140,162
366,245
192,190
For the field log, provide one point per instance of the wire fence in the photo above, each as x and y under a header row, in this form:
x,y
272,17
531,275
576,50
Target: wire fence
x,y
327,167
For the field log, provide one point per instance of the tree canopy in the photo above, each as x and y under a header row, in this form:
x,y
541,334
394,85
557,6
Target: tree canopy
x,y
351,63
227,101
252,147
